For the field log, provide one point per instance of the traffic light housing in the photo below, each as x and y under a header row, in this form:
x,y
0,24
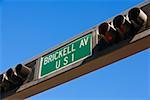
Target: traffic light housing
x,y
121,27
14,78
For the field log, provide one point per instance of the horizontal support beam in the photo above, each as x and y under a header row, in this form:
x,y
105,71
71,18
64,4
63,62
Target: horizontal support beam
x,y
137,44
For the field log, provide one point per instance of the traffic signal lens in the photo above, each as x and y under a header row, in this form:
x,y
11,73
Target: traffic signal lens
x,y
22,71
137,16
12,77
108,32
123,26
1,79
118,21
103,28
5,84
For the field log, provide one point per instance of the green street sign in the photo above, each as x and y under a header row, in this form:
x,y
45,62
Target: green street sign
x,y
66,55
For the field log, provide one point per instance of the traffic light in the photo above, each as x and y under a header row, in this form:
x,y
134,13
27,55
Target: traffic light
x,y
14,78
122,27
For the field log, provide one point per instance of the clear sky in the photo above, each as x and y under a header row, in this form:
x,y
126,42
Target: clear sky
x,y
29,27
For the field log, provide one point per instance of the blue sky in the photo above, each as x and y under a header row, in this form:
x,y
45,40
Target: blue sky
x,y
29,27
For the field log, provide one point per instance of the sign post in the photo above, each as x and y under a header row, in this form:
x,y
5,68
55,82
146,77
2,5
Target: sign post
x,y
66,55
